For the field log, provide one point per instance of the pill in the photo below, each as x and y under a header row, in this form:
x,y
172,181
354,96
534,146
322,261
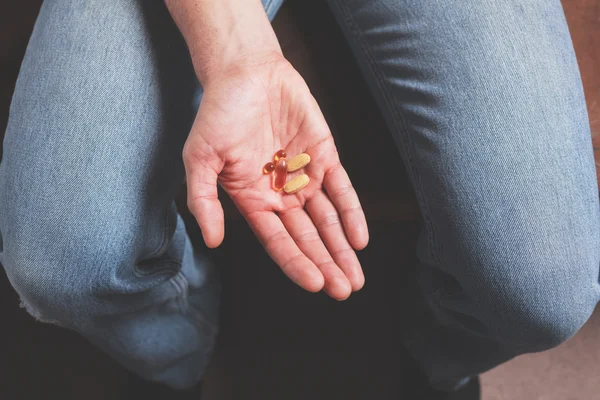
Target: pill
x,y
268,168
279,155
297,183
297,162
280,174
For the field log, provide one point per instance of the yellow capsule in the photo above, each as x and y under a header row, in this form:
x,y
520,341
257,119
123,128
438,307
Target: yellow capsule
x,y
296,184
297,162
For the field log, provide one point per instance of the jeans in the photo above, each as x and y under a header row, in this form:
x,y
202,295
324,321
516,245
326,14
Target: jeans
x,y
485,103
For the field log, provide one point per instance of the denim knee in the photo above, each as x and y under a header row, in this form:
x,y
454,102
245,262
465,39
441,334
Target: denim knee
x,y
47,292
58,278
137,313
525,312
86,265
543,324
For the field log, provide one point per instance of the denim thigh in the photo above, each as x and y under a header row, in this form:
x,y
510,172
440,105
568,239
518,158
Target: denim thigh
x,y
485,102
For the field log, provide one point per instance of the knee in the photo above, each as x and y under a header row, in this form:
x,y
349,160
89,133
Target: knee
x,y
532,314
43,293
63,273
99,292
529,305
544,324
55,279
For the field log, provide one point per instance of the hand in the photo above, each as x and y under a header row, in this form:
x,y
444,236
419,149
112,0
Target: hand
x,y
245,116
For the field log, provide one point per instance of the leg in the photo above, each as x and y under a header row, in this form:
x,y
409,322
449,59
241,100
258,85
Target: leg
x,y
485,102
89,234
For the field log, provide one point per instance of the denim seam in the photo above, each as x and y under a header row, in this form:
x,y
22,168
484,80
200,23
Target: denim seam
x,y
172,266
161,249
181,292
182,286
165,238
400,123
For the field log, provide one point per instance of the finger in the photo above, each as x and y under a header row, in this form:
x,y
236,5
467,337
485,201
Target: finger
x,y
338,186
281,247
340,191
203,200
328,223
306,236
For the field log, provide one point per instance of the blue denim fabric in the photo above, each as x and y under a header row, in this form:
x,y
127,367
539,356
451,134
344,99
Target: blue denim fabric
x,y
483,98
485,102
91,239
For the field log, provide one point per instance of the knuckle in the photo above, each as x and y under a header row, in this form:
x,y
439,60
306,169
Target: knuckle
x,y
201,190
289,262
278,237
196,157
199,197
326,263
343,253
329,220
343,191
308,237
351,209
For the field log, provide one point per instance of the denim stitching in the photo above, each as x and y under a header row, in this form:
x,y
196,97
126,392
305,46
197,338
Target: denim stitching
x,y
182,286
168,223
166,232
181,298
169,266
400,123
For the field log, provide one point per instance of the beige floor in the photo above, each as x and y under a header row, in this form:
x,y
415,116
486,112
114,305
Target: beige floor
x,y
569,372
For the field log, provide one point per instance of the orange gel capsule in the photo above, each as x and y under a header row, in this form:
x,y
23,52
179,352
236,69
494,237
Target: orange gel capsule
x,y
279,155
280,174
268,168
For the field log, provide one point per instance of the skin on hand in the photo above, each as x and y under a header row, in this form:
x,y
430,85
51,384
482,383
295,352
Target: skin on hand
x,y
255,103
243,119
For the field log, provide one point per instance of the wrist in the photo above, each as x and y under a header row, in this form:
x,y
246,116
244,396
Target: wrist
x,y
244,63
224,35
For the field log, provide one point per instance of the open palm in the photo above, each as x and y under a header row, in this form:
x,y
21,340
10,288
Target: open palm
x,y
244,118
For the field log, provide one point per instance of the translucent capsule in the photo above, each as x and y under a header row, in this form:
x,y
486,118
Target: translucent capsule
x,y
279,155
268,168
280,174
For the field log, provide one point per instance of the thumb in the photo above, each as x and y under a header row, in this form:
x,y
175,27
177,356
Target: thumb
x,y
202,198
